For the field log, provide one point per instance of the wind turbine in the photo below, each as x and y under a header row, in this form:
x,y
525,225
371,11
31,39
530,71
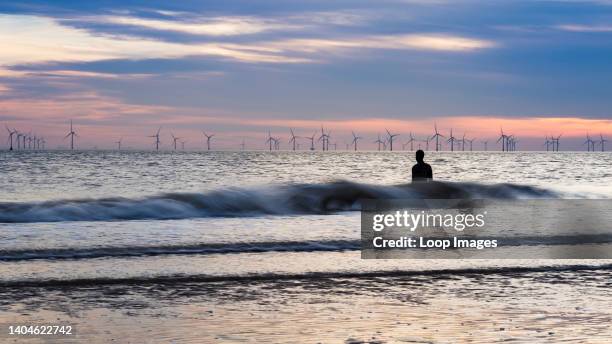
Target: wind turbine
x,y
243,145
485,144
503,138
509,140
119,143
555,143
355,139
293,137
452,140
602,141
156,136
324,138
312,138
42,140
426,141
462,143
437,135
411,141
183,144
589,143
72,134
270,140
390,139
379,141
471,142
208,138
174,138
547,143
19,136
11,134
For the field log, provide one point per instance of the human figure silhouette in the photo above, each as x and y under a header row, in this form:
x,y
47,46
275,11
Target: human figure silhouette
x,y
421,172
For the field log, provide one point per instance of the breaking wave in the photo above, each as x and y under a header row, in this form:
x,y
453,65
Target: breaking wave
x,y
262,247
272,200
553,272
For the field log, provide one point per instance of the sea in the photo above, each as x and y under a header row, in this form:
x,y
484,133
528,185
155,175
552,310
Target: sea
x,y
258,246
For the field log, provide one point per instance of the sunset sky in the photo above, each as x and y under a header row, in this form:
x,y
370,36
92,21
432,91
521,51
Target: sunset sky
x,y
241,68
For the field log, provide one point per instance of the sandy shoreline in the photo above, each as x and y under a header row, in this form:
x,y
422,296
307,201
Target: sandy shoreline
x,y
540,306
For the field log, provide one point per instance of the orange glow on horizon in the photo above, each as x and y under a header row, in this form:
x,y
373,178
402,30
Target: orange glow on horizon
x,y
471,125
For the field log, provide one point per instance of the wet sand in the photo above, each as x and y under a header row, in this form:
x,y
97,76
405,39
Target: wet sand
x,y
538,306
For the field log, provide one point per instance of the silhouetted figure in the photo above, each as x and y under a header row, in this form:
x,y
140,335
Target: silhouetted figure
x,y
421,172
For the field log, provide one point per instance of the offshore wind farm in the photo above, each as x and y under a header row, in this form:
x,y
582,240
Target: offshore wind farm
x,y
18,141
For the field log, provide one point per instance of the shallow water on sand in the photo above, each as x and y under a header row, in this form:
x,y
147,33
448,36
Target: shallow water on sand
x,y
523,306
206,246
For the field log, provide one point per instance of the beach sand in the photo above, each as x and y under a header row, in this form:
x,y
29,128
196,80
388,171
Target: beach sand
x,y
545,306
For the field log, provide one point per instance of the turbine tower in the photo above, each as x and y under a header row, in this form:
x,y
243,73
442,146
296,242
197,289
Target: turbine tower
x,y
324,138
471,142
556,143
355,139
72,134
312,138
19,136
509,140
426,141
502,138
390,139
411,141
437,135
157,141
119,143
485,143
270,140
452,140
293,138
379,141
590,143
208,138
10,138
602,141
174,138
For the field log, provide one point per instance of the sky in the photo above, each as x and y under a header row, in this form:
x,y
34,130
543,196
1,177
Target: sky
x,y
122,69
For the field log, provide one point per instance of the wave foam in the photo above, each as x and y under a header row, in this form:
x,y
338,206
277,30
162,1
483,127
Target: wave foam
x,y
280,200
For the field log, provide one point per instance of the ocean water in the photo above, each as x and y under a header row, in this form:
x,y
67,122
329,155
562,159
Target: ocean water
x,y
190,232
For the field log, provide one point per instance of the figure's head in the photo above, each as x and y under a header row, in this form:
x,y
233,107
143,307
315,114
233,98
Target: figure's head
x,y
420,155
